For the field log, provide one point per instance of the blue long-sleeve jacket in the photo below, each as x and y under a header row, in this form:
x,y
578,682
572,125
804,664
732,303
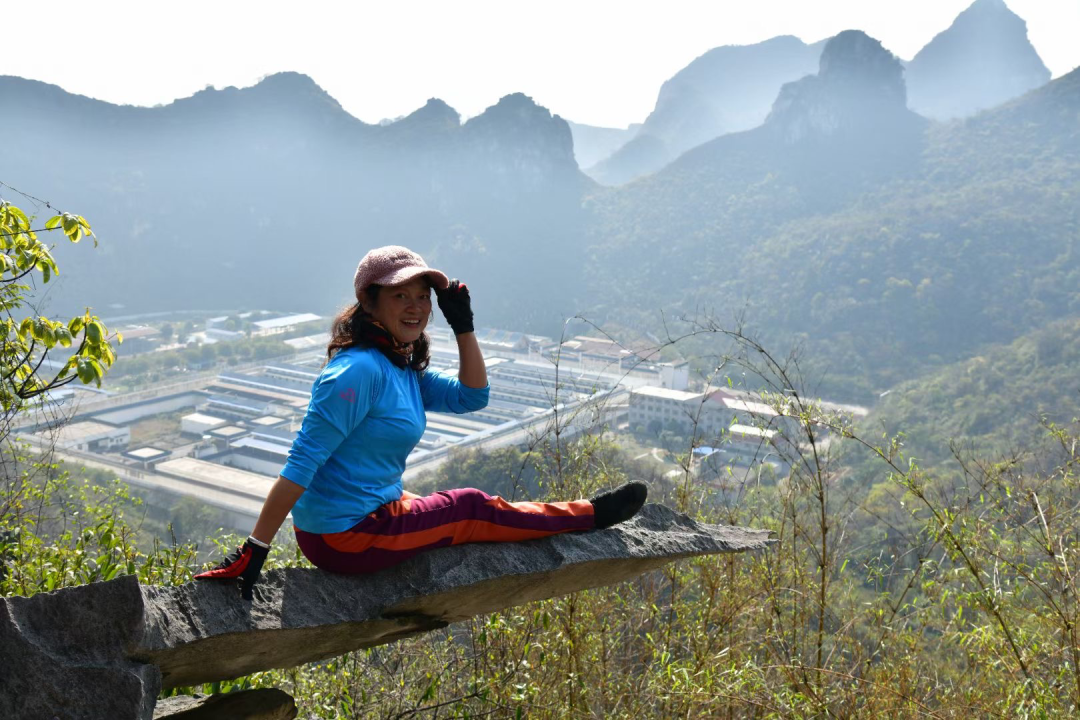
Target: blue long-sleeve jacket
x,y
365,417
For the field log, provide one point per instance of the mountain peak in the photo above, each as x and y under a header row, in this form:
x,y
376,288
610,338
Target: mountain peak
x,y
855,64
286,92
983,59
517,132
518,102
435,111
987,6
727,89
982,12
517,109
859,84
288,79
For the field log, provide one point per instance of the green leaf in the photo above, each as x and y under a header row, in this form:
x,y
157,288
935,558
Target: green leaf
x,y
21,220
76,325
85,371
63,336
95,332
53,222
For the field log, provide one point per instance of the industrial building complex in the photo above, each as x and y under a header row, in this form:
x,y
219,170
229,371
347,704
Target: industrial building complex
x,y
223,439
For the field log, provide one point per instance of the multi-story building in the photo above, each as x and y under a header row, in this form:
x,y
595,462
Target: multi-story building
x,y
710,415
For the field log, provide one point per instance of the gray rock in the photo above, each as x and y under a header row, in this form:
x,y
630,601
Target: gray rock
x,y
104,650
64,654
262,704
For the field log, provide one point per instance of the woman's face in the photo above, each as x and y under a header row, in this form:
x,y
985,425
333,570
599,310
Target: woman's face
x,y
403,309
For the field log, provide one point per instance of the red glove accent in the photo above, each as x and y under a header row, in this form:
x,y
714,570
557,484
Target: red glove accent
x,y
231,567
245,563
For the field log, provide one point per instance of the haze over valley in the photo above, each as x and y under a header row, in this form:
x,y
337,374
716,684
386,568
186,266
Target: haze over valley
x,y
796,182
821,298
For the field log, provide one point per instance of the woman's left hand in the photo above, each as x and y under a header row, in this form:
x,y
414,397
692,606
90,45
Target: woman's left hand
x,y
244,563
456,307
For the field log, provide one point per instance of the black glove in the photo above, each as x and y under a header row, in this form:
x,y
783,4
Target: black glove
x,y
245,562
456,307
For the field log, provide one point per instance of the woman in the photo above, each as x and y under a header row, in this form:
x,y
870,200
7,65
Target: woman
x,y
342,479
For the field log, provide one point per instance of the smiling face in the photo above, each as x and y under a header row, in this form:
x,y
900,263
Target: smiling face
x,y
402,309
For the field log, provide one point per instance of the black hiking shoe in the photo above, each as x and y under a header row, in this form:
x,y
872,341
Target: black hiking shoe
x,y
615,506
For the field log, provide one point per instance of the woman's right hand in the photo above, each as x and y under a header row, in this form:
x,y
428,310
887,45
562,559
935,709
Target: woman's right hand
x,y
245,563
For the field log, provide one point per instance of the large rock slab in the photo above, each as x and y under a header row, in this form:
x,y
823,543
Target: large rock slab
x,y
64,654
261,704
203,631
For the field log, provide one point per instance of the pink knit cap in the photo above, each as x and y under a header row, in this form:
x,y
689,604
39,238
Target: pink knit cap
x,y
393,265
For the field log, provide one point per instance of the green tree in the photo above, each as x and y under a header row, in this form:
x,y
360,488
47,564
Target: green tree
x,y
29,338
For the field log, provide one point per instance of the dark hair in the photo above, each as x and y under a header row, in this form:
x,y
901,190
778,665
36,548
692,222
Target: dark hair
x,y
351,328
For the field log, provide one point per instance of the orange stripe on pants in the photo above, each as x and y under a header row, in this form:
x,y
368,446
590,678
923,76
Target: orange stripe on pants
x,y
398,530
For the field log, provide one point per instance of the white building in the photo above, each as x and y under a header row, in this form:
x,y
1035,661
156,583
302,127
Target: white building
x,y
148,455
200,424
281,324
712,416
91,436
656,408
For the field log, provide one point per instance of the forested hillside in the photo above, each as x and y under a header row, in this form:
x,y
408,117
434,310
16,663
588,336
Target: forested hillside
x,y
995,402
888,247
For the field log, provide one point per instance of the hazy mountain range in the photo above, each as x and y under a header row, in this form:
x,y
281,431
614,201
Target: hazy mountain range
x,y
268,196
725,90
884,242
881,241
982,60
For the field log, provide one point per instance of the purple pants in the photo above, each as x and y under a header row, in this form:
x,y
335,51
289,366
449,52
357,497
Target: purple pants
x,y
403,528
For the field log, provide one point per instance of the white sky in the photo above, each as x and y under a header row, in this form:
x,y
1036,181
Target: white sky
x,y
593,61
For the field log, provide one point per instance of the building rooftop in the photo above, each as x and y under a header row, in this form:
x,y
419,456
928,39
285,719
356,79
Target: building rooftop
x,y
146,453
749,431
606,347
263,383
267,421
205,419
264,445
229,431
299,371
138,331
85,430
255,398
742,404
309,342
218,476
282,435
286,321
507,339
231,401
667,394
